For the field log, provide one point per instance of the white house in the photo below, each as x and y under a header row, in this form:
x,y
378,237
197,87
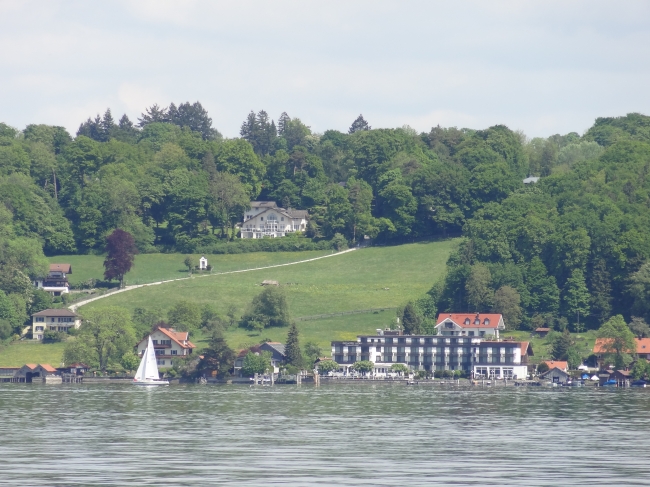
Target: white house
x,y
203,263
56,281
55,320
168,344
266,219
470,324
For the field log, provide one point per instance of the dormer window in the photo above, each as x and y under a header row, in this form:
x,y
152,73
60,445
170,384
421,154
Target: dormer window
x,y
467,321
477,321
486,322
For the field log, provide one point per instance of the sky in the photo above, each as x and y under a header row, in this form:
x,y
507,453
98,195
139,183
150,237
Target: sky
x,y
543,67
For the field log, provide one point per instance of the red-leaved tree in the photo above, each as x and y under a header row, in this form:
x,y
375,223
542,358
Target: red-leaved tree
x,y
120,252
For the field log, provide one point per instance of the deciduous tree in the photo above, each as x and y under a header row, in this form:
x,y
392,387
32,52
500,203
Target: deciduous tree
x,y
120,254
617,341
106,334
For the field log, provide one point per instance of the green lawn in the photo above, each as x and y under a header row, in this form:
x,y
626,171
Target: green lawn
x,y
17,354
158,267
375,277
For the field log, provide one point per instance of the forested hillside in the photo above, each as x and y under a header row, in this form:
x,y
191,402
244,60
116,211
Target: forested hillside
x,y
571,250
574,243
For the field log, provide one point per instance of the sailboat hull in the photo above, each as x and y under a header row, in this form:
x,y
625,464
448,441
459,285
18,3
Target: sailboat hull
x,y
151,382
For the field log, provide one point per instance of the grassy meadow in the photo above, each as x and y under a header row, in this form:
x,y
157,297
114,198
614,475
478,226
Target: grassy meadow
x,y
17,354
376,277
159,267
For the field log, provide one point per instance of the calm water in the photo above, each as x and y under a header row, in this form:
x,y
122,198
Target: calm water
x,y
389,435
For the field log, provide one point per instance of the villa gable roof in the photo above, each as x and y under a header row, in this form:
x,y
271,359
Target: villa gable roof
x,y
460,319
65,268
291,214
297,213
56,312
264,204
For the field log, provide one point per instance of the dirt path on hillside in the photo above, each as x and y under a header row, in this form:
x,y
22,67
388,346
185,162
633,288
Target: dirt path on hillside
x,y
75,306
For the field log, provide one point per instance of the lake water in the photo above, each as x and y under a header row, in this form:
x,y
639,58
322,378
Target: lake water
x,y
388,435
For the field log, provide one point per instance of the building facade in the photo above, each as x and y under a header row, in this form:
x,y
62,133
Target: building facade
x,y
266,219
56,282
472,355
168,345
54,320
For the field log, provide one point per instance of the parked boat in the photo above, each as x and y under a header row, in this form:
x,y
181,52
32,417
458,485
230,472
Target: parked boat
x,y
147,374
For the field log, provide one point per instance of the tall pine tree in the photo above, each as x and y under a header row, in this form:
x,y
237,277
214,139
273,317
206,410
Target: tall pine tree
x,y
359,124
576,299
411,320
292,348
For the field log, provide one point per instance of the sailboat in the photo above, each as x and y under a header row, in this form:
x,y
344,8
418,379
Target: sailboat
x,y
147,374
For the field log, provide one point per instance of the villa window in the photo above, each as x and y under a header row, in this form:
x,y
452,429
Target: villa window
x,y
40,319
174,352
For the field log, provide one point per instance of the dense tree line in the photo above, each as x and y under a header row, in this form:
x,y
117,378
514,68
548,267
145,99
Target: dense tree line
x,y
571,246
570,251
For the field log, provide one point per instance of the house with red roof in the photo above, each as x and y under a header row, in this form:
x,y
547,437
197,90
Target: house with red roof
x,y
470,324
560,364
168,345
642,349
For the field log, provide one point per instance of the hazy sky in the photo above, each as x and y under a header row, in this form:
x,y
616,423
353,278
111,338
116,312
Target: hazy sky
x,y
541,66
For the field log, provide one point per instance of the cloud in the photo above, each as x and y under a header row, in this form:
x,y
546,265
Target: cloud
x,y
541,66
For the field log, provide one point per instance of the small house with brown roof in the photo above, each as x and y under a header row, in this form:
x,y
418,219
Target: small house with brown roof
x,y
470,324
34,372
61,319
542,332
556,375
267,219
168,344
275,348
56,282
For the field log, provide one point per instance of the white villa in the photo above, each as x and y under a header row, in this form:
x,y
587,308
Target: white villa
x,y
168,344
266,219
56,282
55,320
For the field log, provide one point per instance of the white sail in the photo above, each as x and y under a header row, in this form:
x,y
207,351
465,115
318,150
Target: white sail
x,y
151,367
148,368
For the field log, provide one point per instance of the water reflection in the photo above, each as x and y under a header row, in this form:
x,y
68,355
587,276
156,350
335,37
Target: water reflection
x,y
368,434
